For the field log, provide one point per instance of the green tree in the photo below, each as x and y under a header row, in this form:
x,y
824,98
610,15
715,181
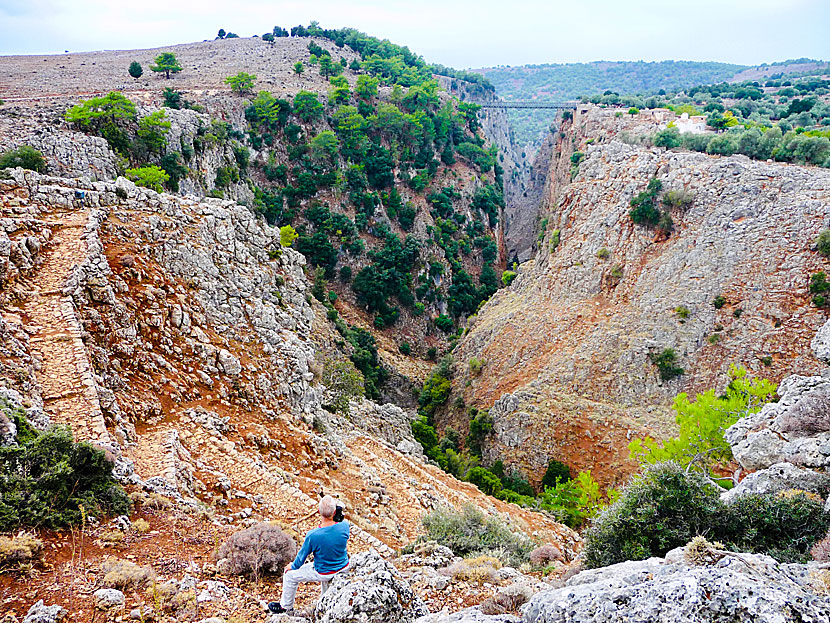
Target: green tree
x,y
166,63
702,422
152,130
367,87
242,82
326,66
299,68
324,147
307,107
221,34
135,70
98,111
25,157
151,177
823,242
343,382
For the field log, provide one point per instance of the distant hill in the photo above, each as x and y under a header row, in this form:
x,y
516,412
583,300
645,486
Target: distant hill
x,y
568,81
572,80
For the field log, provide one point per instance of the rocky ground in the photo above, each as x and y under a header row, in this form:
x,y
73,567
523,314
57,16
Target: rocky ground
x,y
566,346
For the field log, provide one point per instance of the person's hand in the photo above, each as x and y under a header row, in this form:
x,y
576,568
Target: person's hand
x,y
288,567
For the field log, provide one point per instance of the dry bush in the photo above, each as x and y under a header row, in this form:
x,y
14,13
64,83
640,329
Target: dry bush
x,y
700,552
506,600
111,538
22,548
478,570
141,526
158,502
123,574
821,550
546,554
262,548
811,414
137,498
168,597
820,581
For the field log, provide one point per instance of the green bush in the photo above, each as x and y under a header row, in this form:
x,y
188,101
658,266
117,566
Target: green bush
x,y
666,362
468,532
822,244
151,177
25,157
557,471
662,508
47,479
666,506
719,301
485,480
405,348
444,323
507,277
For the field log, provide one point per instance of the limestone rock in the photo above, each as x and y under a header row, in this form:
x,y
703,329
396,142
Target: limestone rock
x,y
40,613
778,432
780,477
655,590
371,592
108,598
821,343
468,615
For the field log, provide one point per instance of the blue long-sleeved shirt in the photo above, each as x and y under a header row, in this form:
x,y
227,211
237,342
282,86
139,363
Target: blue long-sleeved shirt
x,y
328,546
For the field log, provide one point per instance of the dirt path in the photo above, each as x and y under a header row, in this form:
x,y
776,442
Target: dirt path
x,y
65,377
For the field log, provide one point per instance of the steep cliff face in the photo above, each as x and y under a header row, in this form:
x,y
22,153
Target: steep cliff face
x,y
567,345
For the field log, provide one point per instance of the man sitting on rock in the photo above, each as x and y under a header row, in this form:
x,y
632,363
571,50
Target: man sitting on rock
x,y
328,544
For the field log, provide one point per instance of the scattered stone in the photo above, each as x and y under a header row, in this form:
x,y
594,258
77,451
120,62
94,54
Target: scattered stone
x,y
108,598
40,613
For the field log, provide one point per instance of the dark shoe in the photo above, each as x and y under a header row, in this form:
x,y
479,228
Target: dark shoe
x,y
275,607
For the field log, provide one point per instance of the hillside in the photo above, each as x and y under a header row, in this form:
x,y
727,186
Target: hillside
x,y
566,348
393,190
562,82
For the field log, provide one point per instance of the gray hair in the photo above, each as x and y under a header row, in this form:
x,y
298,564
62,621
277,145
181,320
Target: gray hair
x,y
328,505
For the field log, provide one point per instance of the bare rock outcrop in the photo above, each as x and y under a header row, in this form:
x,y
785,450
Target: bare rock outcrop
x,y
753,588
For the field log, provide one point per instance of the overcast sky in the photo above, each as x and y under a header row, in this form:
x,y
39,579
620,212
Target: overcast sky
x,y
460,33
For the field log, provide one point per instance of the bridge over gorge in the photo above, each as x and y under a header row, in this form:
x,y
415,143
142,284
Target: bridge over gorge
x,y
532,104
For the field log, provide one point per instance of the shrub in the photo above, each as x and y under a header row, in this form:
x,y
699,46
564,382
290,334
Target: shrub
x,y
556,472
666,362
508,599
288,235
444,323
821,550
485,480
22,548
479,570
25,157
680,199
135,70
47,479
476,365
822,244
141,526
784,526
603,254
507,277
662,508
158,502
405,348
125,575
545,555
468,531
151,177
719,301
682,311
262,548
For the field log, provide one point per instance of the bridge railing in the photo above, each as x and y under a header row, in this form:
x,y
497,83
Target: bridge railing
x,y
539,105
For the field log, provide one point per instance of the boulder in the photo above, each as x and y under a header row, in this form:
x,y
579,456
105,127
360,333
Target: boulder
x,y
108,598
796,429
371,592
756,589
780,477
228,363
821,343
40,613
468,615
